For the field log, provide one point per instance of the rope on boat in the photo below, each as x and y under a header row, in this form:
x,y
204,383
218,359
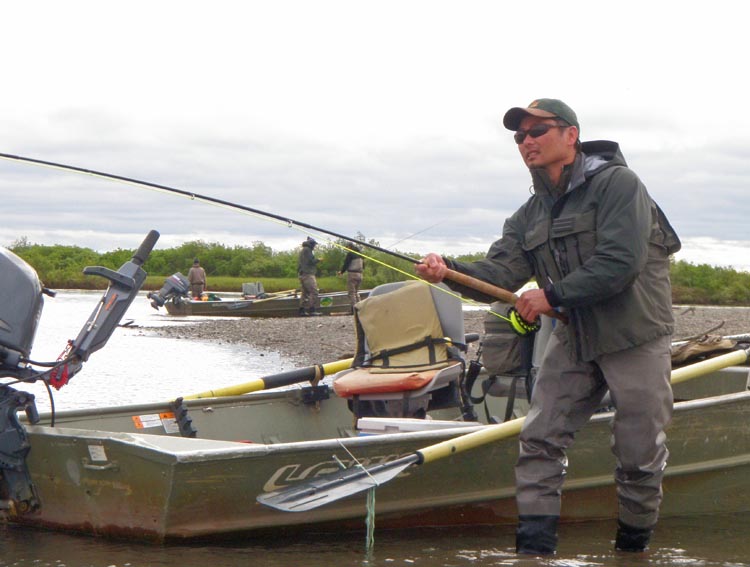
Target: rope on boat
x,y
370,521
370,516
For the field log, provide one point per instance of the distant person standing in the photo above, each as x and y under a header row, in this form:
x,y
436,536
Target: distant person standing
x,y
197,279
306,269
353,267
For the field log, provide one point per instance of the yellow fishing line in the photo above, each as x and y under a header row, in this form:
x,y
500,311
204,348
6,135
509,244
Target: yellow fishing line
x,y
466,300
289,223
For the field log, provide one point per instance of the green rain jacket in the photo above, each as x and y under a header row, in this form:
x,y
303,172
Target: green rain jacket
x,y
600,251
306,261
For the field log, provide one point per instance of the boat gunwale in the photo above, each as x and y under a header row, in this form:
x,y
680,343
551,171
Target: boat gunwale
x,y
237,449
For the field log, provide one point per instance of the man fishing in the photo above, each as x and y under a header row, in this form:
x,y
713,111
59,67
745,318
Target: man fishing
x,y
598,246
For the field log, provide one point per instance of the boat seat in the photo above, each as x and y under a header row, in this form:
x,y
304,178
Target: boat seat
x,y
368,385
409,357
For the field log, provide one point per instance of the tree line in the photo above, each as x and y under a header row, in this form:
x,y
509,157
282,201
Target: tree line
x,y
61,267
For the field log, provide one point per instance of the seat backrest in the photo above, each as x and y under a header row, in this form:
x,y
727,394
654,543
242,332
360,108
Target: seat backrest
x,y
391,328
447,303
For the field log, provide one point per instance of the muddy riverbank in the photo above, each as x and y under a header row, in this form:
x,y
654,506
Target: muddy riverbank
x,y
314,340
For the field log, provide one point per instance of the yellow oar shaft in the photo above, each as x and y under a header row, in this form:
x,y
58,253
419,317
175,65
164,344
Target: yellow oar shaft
x,y
471,440
277,295
733,358
510,428
296,376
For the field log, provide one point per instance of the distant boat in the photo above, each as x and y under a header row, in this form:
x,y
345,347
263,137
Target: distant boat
x,y
279,305
254,302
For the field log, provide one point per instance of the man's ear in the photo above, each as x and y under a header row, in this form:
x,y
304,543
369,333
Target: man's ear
x,y
571,135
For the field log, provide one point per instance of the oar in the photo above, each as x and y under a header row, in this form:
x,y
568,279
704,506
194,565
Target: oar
x,y
287,378
279,295
329,488
734,358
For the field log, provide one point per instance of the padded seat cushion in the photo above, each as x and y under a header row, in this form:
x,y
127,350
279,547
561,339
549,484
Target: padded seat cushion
x,y
361,381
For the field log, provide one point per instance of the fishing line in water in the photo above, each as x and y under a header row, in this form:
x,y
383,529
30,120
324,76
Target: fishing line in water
x,y
370,520
370,507
515,322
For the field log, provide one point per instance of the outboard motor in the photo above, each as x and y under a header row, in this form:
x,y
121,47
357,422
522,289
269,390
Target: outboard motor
x,y
20,309
175,285
21,305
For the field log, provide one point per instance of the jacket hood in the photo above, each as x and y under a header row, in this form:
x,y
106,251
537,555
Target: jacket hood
x,y
594,157
599,155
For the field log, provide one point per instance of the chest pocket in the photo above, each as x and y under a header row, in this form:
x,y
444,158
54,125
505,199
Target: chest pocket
x,y
536,246
573,239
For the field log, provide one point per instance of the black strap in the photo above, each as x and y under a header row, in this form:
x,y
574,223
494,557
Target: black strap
x,y
386,354
511,398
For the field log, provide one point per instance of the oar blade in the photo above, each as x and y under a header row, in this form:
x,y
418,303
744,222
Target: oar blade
x,y
335,486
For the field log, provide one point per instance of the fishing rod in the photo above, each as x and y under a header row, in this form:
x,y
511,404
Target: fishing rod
x,y
517,323
205,198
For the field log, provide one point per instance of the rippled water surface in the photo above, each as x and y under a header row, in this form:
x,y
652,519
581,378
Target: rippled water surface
x,y
707,542
138,367
135,365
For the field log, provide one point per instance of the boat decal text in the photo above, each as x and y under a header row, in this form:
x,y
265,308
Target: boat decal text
x,y
298,472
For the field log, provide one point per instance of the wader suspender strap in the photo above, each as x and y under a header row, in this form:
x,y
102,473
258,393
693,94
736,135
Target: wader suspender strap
x,y
527,351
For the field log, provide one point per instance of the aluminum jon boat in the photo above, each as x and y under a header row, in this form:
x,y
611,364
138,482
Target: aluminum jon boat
x,y
283,305
129,472
175,296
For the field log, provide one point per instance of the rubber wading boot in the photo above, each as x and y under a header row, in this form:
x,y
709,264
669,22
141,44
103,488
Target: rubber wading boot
x,y
632,539
537,535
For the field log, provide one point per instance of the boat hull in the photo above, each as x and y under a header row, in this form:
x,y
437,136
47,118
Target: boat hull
x,y
103,472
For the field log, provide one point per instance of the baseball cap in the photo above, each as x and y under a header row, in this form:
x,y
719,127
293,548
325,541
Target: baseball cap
x,y
543,108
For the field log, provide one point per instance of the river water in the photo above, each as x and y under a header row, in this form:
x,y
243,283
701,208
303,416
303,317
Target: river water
x,y
136,366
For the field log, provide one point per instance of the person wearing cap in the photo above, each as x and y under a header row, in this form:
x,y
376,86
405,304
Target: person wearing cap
x,y
306,269
598,247
197,279
353,267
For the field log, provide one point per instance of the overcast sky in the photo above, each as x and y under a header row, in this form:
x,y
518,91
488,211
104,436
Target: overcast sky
x,y
378,117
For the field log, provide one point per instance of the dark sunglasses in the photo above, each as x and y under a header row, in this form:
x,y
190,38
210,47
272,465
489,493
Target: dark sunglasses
x,y
535,131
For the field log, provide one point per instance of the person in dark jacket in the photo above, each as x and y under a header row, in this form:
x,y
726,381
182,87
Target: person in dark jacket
x,y
598,246
306,269
353,267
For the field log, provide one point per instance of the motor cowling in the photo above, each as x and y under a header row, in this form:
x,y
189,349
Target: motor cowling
x,y
174,286
21,303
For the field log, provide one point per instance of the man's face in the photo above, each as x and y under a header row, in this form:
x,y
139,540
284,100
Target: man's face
x,y
550,150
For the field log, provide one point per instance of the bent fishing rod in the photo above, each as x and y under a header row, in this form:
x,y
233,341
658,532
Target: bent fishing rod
x,y
205,198
518,324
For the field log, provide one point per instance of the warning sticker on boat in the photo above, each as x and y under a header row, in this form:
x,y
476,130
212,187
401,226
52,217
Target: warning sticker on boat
x,y
165,420
97,453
